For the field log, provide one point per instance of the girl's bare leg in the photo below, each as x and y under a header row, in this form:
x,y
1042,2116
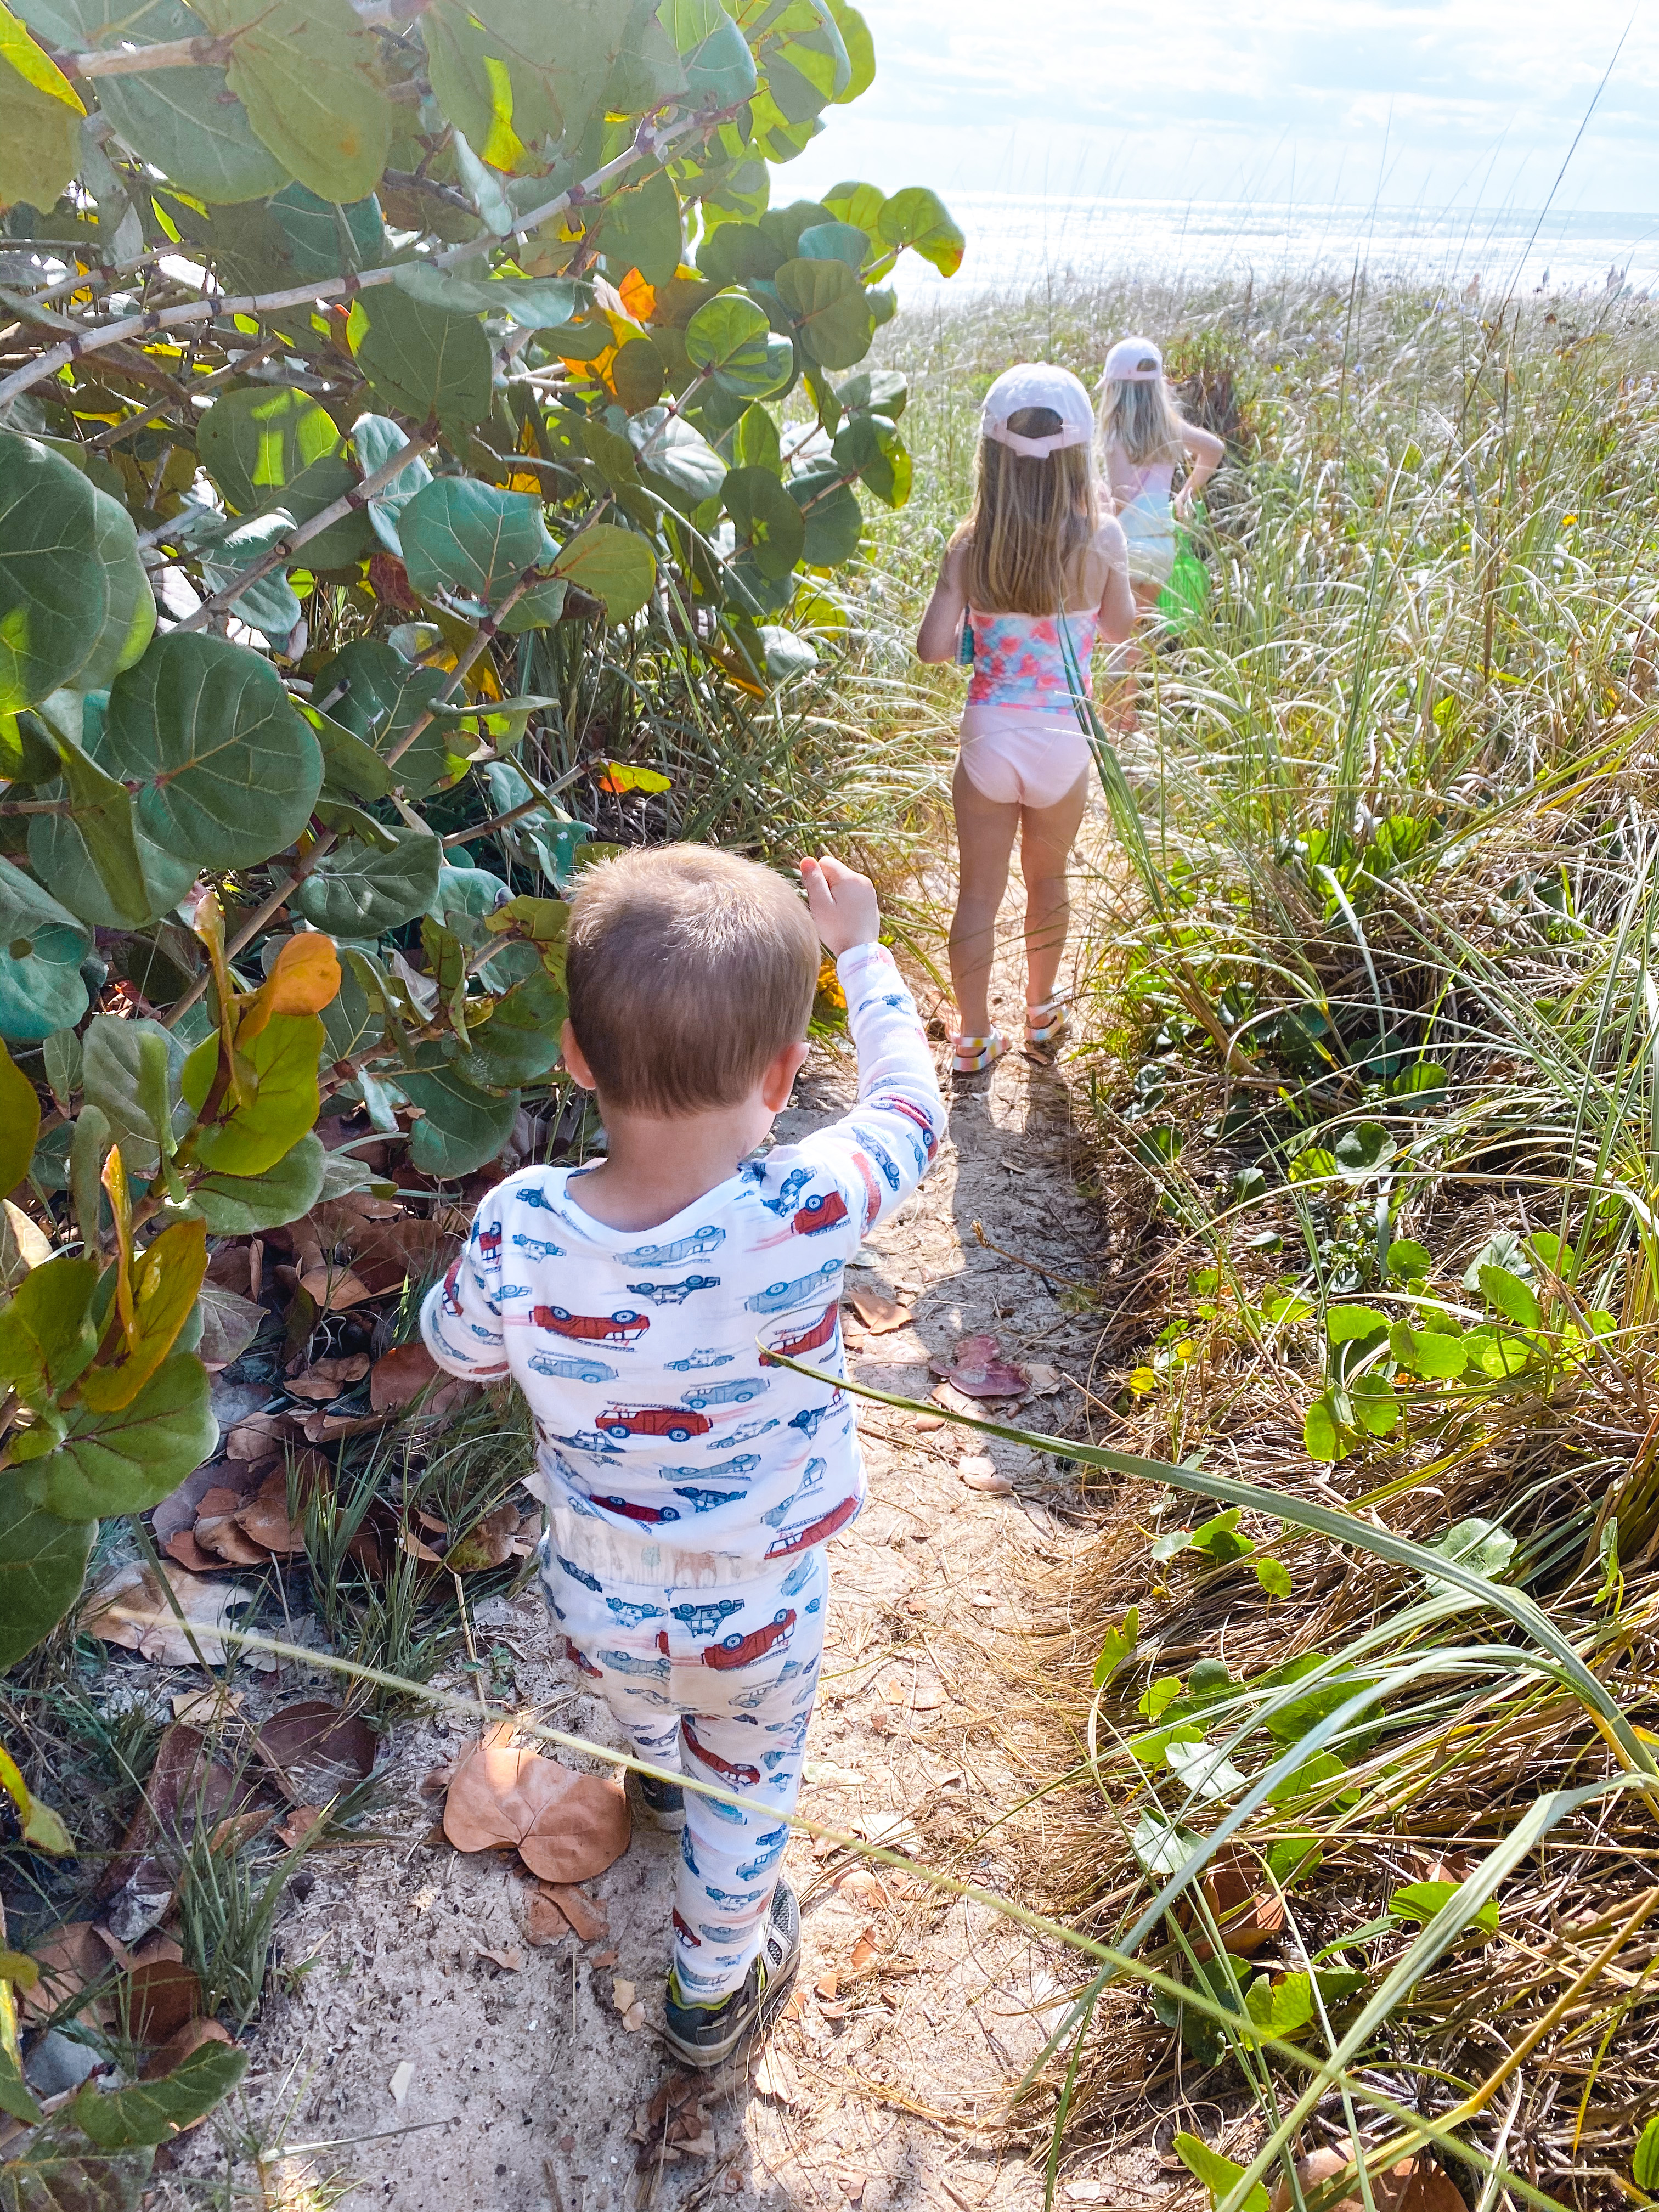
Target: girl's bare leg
x,y
1047,834
985,842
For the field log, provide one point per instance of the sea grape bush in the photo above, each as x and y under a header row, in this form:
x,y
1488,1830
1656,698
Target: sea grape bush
x,y
368,373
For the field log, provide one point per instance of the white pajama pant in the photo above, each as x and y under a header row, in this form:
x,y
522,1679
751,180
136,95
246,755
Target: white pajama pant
x,y
710,1666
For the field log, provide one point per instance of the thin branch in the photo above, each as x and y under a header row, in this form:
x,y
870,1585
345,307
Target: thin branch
x,y
285,548
646,143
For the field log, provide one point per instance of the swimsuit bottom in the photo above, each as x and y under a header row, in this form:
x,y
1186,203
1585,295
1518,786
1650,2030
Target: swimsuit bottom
x,y
1150,528
1023,755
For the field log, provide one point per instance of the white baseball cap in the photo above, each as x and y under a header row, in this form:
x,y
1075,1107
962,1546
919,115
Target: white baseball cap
x,y
1134,360
1038,383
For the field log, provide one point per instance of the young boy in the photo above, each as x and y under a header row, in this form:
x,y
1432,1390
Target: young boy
x,y
690,1484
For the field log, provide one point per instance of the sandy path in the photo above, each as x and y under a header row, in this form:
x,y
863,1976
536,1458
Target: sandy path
x,y
523,2087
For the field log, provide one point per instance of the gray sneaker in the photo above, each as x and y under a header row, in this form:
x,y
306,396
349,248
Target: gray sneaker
x,y
701,2036
662,1804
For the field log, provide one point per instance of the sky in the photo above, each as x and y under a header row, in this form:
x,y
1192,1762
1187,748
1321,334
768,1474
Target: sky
x,y
1403,103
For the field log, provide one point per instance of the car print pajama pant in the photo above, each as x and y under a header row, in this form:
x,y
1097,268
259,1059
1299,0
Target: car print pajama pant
x,y
712,1678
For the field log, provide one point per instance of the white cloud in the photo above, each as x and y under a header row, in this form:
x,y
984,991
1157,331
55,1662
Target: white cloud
x,y
1424,102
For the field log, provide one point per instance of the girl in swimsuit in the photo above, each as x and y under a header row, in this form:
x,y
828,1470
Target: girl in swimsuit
x,y
1143,441
1030,580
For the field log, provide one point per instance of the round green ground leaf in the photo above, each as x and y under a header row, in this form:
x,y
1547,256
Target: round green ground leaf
x,y
461,1128
612,564
832,319
421,361
833,517
127,1461
54,583
358,890
385,696
237,1205
459,535
43,1563
42,945
229,769
131,623
770,527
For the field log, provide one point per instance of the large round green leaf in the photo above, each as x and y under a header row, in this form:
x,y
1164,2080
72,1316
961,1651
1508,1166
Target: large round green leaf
x,y
640,227
43,1562
459,535
41,135
359,891
719,69
677,460
321,237
918,218
870,448
383,695
112,1078
237,1206
54,584
613,564
460,1128
422,361
306,72
42,945
519,1042
376,439
832,320
127,1461
189,124
227,769
131,623
255,1134
770,527
835,241
730,337
270,445
834,520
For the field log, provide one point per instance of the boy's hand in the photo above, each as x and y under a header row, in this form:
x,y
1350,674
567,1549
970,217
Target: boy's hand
x,y
842,904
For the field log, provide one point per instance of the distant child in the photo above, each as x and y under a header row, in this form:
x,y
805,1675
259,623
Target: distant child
x,y
690,1485
1144,439
1030,580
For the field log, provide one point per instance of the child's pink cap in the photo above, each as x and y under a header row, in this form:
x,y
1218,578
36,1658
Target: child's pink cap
x,y
1037,384
1134,360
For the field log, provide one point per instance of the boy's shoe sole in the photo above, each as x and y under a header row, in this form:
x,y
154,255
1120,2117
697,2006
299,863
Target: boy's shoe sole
x,y
658,1804
702,2037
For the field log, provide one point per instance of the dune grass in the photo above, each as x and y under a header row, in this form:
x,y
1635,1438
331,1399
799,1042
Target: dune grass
x,y
1373,1054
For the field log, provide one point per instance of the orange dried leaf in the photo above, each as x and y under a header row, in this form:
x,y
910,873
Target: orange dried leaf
x,y
585,1914
568,1827
879,1313
543,1923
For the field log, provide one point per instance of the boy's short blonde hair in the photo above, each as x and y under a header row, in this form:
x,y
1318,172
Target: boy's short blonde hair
x,y
688,972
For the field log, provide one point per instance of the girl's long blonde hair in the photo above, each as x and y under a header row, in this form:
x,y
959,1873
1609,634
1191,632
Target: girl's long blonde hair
x,y
1143,419
1031,521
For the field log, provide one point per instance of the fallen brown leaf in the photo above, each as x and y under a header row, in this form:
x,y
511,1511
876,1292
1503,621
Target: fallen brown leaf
x,y
566,1826
1247,1915
219,1500
220,1534
178,2047
543,1923
864,1888
324,1428
606,1958
879,1313
182,1547
161,1996
299,1825
979,1368
487,1543
980,1472
829,1985
864,1951
264,1519
326,1378
334,1289
1414,2185
258,1435
929,1695
148,1625
510,1962
585,1914
70,1959
317,1733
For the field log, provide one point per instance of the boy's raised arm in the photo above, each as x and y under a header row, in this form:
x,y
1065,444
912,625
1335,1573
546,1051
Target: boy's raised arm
x,y
882,1149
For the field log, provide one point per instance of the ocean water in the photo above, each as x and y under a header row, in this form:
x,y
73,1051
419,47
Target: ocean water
x,y
1017,242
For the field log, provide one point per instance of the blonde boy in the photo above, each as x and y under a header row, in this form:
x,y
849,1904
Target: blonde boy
x,y
690,1484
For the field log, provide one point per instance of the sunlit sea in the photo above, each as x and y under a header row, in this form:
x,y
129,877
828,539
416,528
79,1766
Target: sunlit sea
x,y
1016,242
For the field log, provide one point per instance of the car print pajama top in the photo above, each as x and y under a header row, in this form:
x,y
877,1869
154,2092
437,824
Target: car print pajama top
x,y
690,1482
